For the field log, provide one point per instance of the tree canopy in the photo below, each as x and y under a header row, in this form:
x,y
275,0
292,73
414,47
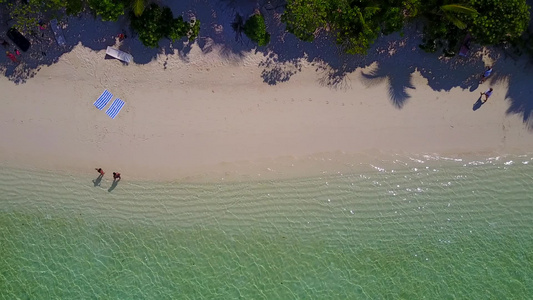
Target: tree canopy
x,y
157,22
356,24
255,29
498,21
152,22
108,10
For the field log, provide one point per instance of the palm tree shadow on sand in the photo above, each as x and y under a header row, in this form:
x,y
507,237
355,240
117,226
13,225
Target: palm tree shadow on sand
x,y
398,82
520,91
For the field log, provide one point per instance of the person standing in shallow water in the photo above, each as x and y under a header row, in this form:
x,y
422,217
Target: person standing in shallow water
x,y
116,176
99,170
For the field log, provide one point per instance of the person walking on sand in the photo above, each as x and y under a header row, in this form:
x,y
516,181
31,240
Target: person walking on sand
x,y
99,170
116,176
487,94
486,74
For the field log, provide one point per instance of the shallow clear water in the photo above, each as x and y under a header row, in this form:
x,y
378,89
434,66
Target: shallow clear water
x,y
428,227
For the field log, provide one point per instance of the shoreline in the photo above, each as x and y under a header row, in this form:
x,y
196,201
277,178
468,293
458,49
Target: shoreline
x,y
214,115
291,168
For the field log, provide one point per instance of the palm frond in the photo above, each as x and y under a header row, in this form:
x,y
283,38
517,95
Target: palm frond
x,y
457,8
455,21
372,9
138,6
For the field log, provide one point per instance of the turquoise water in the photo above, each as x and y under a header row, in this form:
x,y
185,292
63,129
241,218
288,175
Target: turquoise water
x,y
424,228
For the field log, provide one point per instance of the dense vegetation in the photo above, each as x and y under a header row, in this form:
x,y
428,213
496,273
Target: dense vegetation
x,y
255,29
152,22
356,24
155,23
108,10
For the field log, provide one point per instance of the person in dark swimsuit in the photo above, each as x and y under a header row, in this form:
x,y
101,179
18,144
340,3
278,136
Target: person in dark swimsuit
x,y
116,176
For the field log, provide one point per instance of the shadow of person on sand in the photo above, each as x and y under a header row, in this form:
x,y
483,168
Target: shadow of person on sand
x,y
98,180
113,185
478,104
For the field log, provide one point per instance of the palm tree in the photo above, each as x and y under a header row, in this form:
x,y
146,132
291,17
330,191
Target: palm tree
x,y
449,10
138,6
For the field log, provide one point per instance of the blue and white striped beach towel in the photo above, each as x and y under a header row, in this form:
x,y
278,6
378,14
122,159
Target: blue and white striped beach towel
x,y
115,108
101,102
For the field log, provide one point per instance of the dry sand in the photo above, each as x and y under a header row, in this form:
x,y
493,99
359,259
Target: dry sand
x,y
210,112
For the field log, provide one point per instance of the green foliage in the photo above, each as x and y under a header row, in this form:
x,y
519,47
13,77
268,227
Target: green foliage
x,y
491,22
27,15
194,30
411,8
355,24
178,29
138,6
149,25
458,8
255,29
156,23
355,28
499,20
446,25
304,17
108,10
74,7
438,35
393,20
451,11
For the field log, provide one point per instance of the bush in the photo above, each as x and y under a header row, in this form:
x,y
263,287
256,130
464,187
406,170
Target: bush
x,y
499,21
148,26
355,25
255,29
28,13
73,7
194,29
178,29
108,10
156,23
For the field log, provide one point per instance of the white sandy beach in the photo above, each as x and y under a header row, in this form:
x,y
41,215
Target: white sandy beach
x,y
214,112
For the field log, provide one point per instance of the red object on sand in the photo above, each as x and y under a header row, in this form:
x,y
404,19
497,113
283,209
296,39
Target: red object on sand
x,y
12,57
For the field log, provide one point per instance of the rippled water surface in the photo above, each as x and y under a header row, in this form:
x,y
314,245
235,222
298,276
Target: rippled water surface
x,y
419,228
